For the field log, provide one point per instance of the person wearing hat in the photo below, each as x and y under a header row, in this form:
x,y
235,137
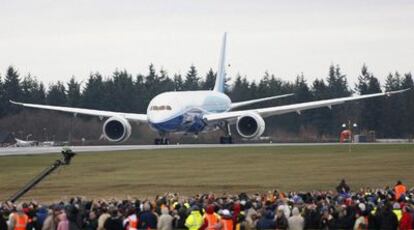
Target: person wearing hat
x,y
194,221
226,221
296,221
211,219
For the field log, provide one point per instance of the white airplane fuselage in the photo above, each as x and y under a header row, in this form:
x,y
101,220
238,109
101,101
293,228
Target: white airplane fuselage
x,y
182,111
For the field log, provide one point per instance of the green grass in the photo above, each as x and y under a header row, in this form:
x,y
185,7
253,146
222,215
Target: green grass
x,y
188,171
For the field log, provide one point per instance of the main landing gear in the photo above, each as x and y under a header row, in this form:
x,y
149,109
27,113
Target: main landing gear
x,y
161,141
227,139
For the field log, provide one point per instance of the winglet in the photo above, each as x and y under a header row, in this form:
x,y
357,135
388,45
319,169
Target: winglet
x,y
397,91
15,102
221,71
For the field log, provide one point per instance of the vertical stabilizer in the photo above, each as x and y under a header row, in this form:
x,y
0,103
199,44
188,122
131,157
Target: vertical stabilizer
x,y
221,71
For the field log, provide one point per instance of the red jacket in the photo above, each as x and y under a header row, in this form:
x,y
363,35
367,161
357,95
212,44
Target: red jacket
x,y
406,221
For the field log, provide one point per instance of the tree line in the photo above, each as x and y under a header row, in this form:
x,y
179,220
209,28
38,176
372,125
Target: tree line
x,y
390,117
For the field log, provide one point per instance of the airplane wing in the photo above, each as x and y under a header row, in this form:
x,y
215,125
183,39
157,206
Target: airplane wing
x,y
249,102
278,110
91,112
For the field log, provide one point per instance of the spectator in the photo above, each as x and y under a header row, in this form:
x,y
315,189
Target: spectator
x,y
91,222
63,223
102,218
321,210
266,221
399,190
50,222
251,217
211,219
343,188
281,221
406,221
312,217
19,219
296,221
131,221
361,221
226,222
113,222
388,220
3,223
165,222
194,221
147,219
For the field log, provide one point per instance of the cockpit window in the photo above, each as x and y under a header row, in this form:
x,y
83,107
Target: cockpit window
x,y
160,107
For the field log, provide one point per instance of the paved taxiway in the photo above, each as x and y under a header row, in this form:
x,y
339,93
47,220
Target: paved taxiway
x,y
9,151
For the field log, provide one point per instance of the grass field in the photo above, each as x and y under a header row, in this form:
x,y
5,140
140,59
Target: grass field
x,y
188,171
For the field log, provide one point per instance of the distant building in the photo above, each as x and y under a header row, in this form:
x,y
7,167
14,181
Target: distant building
x,y
6,138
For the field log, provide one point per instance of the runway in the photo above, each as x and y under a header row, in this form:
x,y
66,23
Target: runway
x,y
13,151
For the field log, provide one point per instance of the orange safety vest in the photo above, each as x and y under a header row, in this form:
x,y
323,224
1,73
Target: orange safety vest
x,y
212,220
399,190
227,224
21,221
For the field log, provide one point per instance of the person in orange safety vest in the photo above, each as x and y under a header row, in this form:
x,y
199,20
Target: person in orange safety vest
x,y
399,189
226,220
19,219
211,219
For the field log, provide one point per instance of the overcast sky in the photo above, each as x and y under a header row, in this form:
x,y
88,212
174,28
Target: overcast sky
x,y
54,40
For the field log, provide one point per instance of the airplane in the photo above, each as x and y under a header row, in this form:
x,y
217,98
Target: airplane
x,y
194,112
22,143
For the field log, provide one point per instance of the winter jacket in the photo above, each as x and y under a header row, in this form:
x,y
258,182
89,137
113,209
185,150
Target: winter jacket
x,y
281,222
165,222
266,222
147,220
406,221
194,221
296,222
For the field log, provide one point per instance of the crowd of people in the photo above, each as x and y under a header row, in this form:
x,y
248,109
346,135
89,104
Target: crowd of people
x,y
385,208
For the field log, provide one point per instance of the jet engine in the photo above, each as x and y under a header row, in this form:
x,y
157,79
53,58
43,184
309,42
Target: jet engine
x,y
250,125
116,129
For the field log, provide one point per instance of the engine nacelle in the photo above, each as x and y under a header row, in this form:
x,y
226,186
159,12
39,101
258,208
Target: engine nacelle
x,y
250,125
117,129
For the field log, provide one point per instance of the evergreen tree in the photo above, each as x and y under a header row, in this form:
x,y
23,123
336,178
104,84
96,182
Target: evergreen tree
x,y
338,87
94,92
2,98
12,90
56,94
369,111
241,89
209,82
32,90
152,84
74,94
191,80
166,83
321,117
178,82
391,121
123,92
140,93
408,110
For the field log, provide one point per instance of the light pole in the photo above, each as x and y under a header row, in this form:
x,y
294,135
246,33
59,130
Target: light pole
x,y
350,126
